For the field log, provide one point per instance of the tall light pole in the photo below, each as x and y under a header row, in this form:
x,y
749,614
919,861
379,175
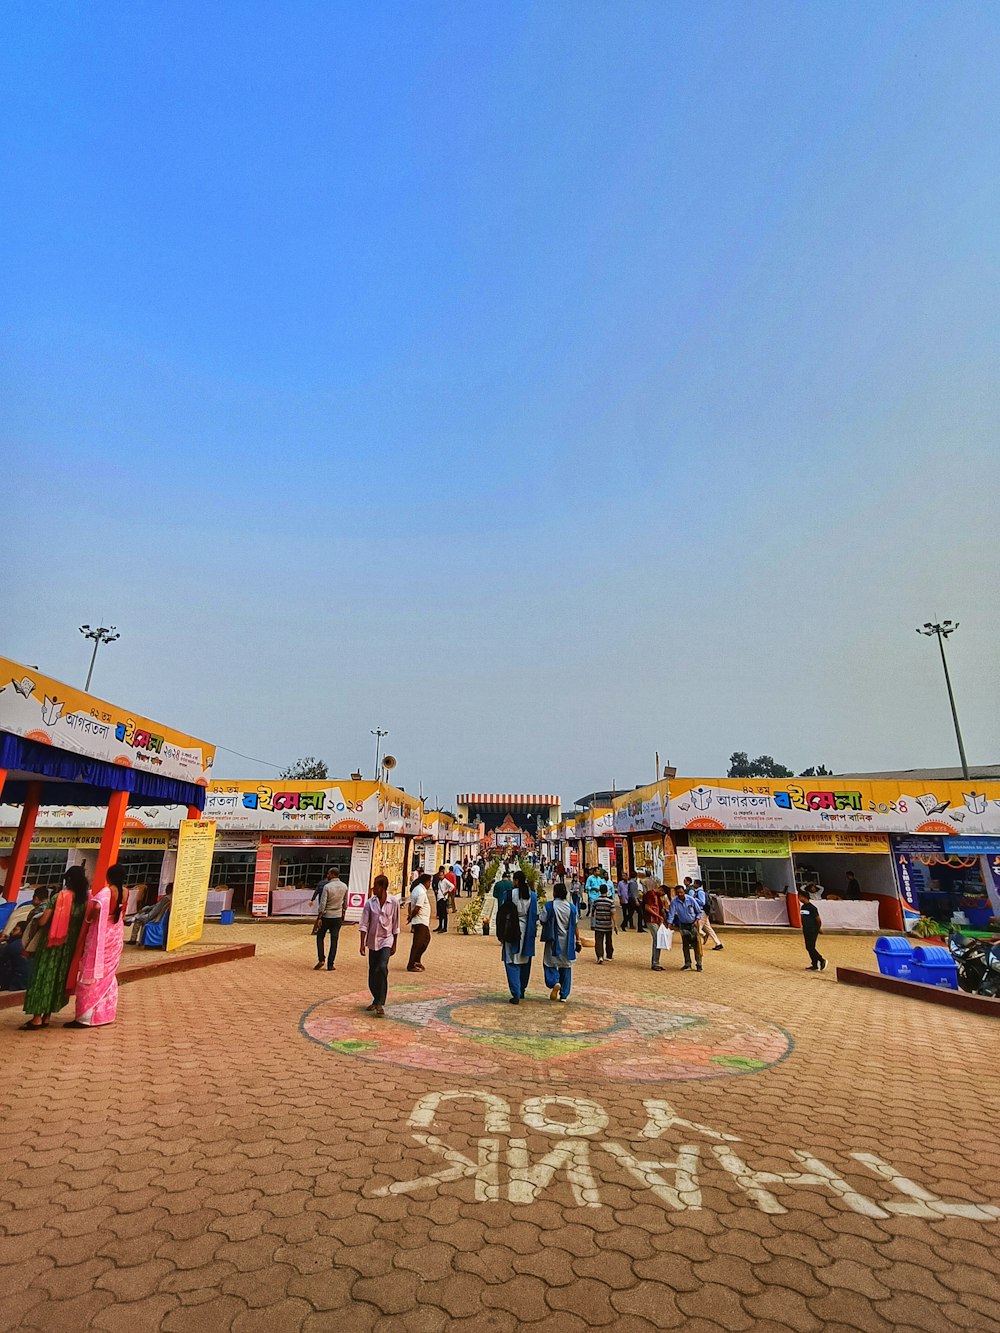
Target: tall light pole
x,y
942,631
102,634
378,733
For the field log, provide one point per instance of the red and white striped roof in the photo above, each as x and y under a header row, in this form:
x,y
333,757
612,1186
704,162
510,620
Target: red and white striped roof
x,y
507,798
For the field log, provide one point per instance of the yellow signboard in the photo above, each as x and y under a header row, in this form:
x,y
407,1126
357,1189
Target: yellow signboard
x,y
44,840
195,847
871,844
751,846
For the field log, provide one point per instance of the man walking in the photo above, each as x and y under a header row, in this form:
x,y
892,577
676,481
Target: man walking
x,y
811,926
379,932
604,924
418,913
685,913
331,911
705,928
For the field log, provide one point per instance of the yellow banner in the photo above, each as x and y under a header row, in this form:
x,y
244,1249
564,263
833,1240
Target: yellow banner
x,y
195,847
42,840
872,844
752,846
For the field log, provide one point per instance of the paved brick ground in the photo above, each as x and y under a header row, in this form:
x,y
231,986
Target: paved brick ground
x,y
203,1165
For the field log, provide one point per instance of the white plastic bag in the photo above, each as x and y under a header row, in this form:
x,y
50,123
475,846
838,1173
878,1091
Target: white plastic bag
x,y
664,938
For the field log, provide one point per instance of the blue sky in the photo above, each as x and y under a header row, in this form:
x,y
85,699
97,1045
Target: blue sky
x,y
548,383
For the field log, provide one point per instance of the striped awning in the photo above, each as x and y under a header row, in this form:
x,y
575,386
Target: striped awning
x,y
507,799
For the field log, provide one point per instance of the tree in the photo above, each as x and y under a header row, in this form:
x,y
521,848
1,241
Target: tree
x,y
817,771
764,766
308,768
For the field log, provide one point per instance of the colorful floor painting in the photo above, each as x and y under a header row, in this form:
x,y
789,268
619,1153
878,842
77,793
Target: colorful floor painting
x,y
609,1036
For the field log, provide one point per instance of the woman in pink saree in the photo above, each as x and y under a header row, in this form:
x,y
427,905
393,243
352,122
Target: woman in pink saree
x,y
97,985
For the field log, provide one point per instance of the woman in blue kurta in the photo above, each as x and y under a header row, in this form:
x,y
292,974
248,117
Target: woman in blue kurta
x,y
561,937
517,924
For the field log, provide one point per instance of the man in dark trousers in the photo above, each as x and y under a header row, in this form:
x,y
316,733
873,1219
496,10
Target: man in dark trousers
x,y
330,917
685,913
811,926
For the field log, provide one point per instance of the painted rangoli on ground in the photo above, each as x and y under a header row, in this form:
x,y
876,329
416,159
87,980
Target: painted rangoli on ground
x,y
473,1030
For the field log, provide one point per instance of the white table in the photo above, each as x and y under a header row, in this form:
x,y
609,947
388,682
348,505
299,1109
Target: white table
x,y
218,901
847,916
293,902
753,911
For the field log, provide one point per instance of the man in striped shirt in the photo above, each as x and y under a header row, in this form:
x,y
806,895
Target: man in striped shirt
x,y
604,924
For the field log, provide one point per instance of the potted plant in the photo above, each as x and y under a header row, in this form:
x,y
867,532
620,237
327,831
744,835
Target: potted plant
x,y
927,930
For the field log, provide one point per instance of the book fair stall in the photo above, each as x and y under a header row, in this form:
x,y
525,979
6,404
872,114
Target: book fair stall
x,y
80,777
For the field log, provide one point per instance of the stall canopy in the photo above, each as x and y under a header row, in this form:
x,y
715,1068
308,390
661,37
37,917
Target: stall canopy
x,y
59,746
79,747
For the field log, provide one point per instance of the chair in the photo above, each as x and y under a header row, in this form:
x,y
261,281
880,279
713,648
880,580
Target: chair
x,y
154,933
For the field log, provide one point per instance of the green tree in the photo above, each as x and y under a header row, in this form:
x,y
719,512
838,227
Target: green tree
x,y
764,766
817,771
306,769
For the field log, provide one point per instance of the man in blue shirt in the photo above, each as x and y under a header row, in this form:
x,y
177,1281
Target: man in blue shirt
x,y
685,913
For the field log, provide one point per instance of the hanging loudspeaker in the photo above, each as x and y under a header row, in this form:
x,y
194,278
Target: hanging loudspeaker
x,y
389,761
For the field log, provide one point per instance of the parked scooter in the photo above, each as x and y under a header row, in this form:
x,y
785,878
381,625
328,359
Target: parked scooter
x,y
978,963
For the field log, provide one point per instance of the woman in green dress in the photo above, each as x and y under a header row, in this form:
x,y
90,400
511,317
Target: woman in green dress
x,y
51,985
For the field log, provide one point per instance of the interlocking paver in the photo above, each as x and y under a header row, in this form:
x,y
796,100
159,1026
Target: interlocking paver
x,y
240,1187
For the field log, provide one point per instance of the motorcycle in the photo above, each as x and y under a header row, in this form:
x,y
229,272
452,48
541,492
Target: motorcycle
x,y
978,963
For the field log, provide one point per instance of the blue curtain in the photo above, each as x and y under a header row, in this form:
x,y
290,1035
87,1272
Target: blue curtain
x,y
80,781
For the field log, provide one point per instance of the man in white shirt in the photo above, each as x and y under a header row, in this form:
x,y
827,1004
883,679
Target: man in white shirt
x,y
418,913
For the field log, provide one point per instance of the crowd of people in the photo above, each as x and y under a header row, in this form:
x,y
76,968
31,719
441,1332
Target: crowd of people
x,y
521,921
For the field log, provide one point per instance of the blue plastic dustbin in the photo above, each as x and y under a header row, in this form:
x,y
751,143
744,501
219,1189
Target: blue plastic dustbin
x,y
934,966
227,918
894,956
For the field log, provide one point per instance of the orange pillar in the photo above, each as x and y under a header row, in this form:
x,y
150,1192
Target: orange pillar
x,y
194,812
794,915
22,841
114,822
890,911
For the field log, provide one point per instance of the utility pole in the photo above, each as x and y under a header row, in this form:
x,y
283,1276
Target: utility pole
x,y
942,631
378,733
102,634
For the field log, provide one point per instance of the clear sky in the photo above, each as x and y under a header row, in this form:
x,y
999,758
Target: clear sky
x,y
548,383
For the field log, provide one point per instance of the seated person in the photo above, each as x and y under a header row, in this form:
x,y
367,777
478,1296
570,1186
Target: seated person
x,y
155,913
14,962
25,913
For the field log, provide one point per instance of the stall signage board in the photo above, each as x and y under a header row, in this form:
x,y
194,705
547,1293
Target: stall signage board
x,y
130,842
45,710
686,862
835,805
873,844
972,846
920,848
641,810
314,807
359,879
749,846
195,847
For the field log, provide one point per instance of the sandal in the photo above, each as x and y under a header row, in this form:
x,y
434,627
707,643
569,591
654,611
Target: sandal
x,y
31,1027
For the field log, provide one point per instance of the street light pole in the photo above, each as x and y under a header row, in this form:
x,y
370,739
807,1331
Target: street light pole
x,y
378,733
942,631
102,634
